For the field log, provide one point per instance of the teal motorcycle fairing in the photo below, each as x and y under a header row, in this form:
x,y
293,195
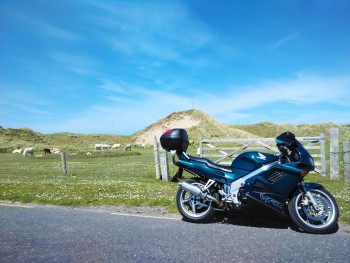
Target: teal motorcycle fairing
x,y
276,181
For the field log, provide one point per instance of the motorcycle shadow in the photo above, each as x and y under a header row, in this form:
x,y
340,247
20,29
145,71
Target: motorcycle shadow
x,y
258,216
254,216
255,219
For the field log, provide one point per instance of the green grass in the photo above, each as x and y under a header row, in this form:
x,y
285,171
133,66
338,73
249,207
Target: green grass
x,y
107,178
125,178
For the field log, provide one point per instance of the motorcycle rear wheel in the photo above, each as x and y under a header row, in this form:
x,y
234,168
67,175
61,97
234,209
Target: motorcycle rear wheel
x,y
193,208
324,220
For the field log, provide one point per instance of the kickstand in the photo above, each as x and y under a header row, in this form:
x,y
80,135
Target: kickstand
x,y
178,176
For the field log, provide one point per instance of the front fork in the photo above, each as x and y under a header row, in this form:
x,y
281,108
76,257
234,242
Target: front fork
x,y
306,190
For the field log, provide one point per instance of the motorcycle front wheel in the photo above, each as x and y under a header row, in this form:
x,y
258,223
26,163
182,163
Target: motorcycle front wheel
x,y
192,207
322,220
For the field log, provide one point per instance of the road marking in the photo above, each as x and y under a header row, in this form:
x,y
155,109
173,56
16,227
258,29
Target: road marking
x,y
22,206
144,216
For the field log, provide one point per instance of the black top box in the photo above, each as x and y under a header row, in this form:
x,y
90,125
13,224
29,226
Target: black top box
x,y
174,139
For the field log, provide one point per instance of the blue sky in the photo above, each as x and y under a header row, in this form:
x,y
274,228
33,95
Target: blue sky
x,y
119,66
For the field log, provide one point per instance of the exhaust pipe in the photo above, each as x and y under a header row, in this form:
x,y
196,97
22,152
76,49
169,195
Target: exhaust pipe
x,y
197,192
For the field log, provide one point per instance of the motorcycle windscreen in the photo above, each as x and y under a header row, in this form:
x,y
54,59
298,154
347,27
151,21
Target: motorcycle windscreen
x,y
287,138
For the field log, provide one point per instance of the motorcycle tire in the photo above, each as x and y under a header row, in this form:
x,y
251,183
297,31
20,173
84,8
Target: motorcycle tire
x,y
193,208
321,221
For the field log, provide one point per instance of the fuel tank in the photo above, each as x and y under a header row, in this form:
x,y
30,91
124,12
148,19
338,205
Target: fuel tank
x,y
250,161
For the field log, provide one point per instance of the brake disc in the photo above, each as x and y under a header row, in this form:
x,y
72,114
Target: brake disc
x,y
318,214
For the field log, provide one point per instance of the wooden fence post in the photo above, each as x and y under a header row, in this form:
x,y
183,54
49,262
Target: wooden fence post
x,y
323,155
200,148
64,164
164,167
346,155
156,157
334,154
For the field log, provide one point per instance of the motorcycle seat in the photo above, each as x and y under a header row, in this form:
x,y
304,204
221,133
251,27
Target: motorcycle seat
x,y
211,164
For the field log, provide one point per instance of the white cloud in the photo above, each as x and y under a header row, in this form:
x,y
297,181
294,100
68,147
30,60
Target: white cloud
x,y
284,40
304,89
127,115
37,25
81,65
53,31
163,31
109,85
140,107
32,110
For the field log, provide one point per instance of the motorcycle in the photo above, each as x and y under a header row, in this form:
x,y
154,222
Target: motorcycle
x,y
274,180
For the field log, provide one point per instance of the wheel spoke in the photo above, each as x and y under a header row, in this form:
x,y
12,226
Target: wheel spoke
x,y
204,204
187,200
194,208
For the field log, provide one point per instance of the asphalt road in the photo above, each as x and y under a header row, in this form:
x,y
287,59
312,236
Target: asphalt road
x,y
61,234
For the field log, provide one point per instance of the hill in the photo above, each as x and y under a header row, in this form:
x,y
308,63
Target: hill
x,y
200,125
269,129
14,138
20,138
197,123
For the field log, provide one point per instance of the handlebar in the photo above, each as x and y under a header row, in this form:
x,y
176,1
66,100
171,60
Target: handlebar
x,y
284,156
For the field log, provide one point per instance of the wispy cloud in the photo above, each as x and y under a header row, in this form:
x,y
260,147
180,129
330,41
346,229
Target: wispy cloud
x,y
109,85
129,114
163,31
303,89
17,94
37,25
53,31
81,65
303,98
31,109
277,44
126,114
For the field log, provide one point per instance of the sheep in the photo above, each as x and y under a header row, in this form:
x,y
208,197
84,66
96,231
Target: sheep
x,y
100,146
116,146
47,151
29,150
128,147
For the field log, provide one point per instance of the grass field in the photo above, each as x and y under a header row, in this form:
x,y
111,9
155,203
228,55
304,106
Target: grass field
x,y
103,179
106,179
